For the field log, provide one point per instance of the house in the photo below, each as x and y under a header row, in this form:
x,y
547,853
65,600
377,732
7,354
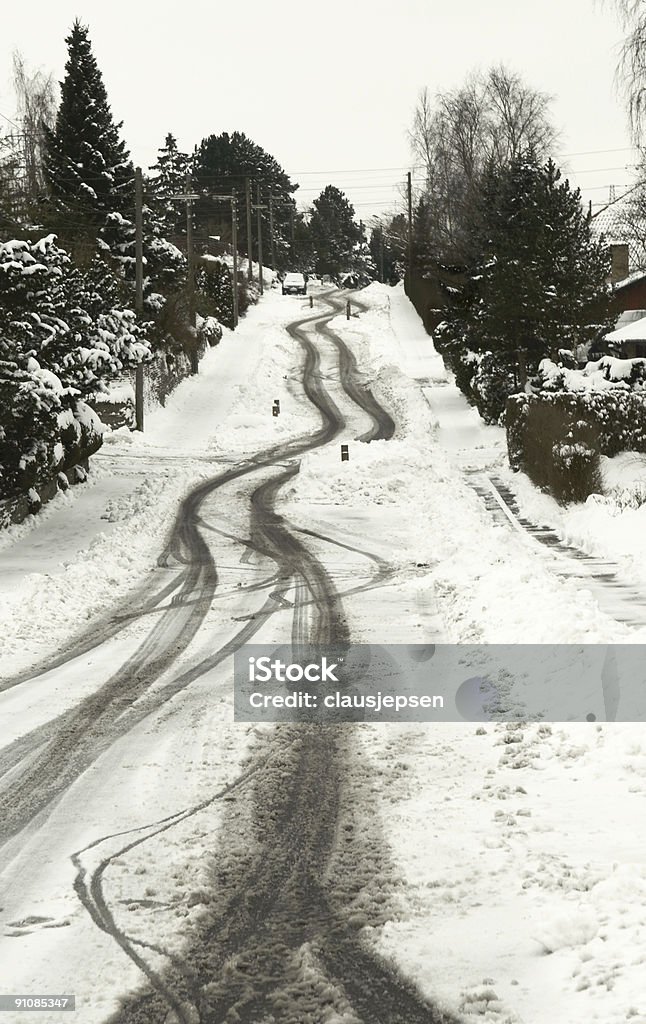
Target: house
x,y
630,293
630,334
629,304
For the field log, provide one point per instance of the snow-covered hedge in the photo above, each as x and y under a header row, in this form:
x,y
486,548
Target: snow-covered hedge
x,y
62,335
557,438
607,373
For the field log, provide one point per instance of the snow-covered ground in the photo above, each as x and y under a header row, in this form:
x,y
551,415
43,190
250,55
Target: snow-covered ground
x,y
518,850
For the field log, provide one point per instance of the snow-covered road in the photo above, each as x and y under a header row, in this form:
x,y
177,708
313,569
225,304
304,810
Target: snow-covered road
x,y
151,844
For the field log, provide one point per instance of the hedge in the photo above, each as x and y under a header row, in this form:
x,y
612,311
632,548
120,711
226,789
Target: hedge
x,y
557,438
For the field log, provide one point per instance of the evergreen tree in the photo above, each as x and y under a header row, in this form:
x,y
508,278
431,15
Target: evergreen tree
x,y
388,248
539,282
223,163
334,232
87,165
169,176
215,297
63,333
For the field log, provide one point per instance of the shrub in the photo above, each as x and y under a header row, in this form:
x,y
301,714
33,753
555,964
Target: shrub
x,y
558,438
493,382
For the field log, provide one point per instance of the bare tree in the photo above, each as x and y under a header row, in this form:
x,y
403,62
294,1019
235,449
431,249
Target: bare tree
x,y
37,100
456,136
632,62
519,117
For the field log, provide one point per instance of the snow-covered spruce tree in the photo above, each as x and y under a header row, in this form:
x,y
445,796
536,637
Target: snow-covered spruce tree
x,y
168,178
164,265
539,281
87,166
60,339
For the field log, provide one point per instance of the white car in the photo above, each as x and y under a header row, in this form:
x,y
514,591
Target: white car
x,y
294,284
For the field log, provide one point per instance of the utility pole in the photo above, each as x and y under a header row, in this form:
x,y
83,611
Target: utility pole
x,y
191,270
291,230
234,245
271,235
381,257
189,253
259,208
139,292
410,224
188,198
247,184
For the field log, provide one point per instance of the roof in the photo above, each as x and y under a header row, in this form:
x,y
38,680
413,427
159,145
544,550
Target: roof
x,y
637,275
634,331
627,317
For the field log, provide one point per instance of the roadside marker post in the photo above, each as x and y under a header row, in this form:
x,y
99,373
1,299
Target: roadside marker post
x,y
347,310
311,301
345,454
275,408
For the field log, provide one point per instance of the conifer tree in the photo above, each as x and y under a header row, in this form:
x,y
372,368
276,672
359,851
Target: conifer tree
x,y
168,179
540,278
224,162
87,165
334,232
537,285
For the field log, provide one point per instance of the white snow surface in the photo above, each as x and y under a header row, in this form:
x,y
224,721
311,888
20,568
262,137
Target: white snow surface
x,y
518,850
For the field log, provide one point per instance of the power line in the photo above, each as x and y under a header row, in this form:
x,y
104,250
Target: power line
x,y
598,152
8,119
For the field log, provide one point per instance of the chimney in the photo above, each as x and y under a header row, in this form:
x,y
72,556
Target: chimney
x,y
619,268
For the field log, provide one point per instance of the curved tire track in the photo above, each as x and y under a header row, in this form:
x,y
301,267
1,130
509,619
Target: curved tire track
x,y
277,899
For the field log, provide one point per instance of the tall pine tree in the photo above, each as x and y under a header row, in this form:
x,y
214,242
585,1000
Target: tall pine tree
x,y
87,165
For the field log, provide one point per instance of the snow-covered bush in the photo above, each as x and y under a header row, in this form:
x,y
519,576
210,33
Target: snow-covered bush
x,y
552,439
60,340
486,379
216,295
491,385
603,374
209,331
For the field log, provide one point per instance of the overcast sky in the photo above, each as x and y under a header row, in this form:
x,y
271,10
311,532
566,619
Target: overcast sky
x,y
329,88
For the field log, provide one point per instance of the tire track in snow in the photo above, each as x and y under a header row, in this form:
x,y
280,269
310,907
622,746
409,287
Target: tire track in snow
x,y
277,901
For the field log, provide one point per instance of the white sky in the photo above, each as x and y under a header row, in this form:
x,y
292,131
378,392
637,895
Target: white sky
x,y
329,88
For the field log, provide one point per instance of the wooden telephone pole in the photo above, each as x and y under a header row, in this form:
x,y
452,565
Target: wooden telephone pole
x,y
410,223
234,245
259,210
247,185
139,292
271,235
188,198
